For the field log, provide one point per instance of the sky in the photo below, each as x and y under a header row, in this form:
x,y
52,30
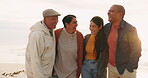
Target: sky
x,y
17,16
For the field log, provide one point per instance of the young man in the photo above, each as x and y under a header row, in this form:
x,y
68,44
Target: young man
x,y
40,52
124,45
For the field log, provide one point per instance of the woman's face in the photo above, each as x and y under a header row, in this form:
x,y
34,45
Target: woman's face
x,y
94,28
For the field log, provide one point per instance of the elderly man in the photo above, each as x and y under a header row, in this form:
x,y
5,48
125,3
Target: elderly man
x,y
124,45
40,52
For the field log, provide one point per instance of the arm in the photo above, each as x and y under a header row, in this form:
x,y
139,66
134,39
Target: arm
x,y
80,41
36,47
135,50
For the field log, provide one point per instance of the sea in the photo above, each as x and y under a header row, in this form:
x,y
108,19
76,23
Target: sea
x,y
16,55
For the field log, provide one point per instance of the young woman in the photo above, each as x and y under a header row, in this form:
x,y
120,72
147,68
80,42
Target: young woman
x,y
95,51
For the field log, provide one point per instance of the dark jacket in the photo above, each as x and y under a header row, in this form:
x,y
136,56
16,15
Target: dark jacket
x,y
128,47
102,60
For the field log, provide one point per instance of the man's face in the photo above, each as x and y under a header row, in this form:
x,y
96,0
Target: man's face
x,y
51,22
113,14
72,25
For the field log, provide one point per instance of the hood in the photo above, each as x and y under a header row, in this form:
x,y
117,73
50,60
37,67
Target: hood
x,y
39,27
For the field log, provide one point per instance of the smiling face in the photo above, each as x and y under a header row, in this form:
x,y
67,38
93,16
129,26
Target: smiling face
x,y
114,14
51,22
94,28
71,27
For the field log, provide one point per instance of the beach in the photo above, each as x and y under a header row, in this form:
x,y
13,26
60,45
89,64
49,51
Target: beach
x,y
12,60
12,70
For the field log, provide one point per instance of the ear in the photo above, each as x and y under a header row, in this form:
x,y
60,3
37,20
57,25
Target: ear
x,y
66,25
100,27
46,19
120,14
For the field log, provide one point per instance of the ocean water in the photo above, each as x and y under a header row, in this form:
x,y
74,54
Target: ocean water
x,y
12,54
16,54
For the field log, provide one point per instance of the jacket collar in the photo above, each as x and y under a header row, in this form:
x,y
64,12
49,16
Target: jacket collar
x,y
122,24
42,22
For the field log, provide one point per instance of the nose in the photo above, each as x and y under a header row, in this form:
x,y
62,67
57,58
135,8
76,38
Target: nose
x,y
90,28
76,25
108,13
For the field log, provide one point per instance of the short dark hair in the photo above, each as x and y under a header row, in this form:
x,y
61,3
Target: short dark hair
x,y
120,9
68,19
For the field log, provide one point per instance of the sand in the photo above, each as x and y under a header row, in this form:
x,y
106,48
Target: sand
x,y
9,69
12,71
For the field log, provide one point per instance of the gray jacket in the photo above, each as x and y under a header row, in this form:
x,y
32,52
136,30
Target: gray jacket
x,y
128,47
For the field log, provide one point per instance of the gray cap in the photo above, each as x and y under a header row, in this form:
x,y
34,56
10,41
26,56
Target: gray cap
x,y
50,12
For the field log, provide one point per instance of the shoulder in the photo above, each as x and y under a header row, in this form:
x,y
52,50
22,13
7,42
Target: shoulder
x,y
107,26
58,31
79,33
87,35
36,35
126,24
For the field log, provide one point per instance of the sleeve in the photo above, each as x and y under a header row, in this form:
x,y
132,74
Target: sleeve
x,y
135,50
36,47
80,41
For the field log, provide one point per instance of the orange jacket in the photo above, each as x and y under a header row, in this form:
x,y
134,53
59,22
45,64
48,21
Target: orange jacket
x,y
80,40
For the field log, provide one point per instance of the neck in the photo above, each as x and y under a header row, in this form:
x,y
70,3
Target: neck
x,y
116,23
69,31
94,34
